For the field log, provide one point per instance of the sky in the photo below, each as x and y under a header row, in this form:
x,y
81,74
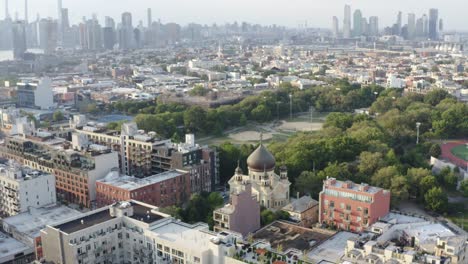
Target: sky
x,y
317,13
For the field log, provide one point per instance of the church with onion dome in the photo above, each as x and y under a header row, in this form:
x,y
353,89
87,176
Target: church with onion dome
x,y
270,189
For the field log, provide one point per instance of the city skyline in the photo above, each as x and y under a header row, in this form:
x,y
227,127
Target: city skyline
x,y
208,12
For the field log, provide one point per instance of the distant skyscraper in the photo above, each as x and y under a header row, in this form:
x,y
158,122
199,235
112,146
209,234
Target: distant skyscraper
x,y
48,35
425,24
419,27
399,23
19,39
347,22
335,27
433,21
357,23
411,25
441,25
373,26
126,40
59,19
65,19
364,27
7,12
150,18
26,17
109,22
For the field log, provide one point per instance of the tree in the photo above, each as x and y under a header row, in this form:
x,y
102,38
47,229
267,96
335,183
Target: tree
x,y
435,151
436,200
415,177
399,189
57,116
309,183
383,177
198,90
215,200
435,96
340,120
195,119
369,163
464,187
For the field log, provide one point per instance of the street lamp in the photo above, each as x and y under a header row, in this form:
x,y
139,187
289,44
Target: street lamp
x,y
463,220
375,95
418,124
290,106
277,109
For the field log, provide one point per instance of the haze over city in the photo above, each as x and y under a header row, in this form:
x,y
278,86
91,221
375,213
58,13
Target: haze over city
x,y
287,13
233,132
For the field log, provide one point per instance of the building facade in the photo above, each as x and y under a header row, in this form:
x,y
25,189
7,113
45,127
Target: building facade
x,y
351,206
161,190
133,232
36,94
242,214
22,188
304,211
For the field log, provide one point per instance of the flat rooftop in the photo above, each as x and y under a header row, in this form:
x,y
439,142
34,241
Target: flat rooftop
x,y
30,223
9,247
331,250
184,234
140,213
131,183
88,221
352,186
290,236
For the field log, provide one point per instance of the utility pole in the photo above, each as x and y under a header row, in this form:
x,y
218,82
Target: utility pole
x,y
290,106
277,110
418,124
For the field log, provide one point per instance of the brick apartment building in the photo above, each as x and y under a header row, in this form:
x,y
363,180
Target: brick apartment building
x,y
351,206
161,190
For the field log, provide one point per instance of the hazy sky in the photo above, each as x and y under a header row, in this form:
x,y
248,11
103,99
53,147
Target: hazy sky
x,y
318,13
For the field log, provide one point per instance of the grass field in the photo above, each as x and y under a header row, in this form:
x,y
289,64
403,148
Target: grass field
x,y
461,152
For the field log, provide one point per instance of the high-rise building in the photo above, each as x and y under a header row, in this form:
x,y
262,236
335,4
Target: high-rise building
x,y
357,23
126,40
19,39
425,24
433,23
109,22
59,21
364,27
48,35
419,27
347,22
7,12
335,27
441,25
108,36
26,17
411,25
399,23
373,26
150,18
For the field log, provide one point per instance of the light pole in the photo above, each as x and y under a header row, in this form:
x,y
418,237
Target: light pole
x,y
375,95
463,220
311,115
277,109
290,106
418,124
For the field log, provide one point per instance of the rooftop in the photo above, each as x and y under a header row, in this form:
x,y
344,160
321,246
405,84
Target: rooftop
x,y
291,236
86,221
184,234
140,213
331,250
30,223
300,205
10,246
349,185
131,183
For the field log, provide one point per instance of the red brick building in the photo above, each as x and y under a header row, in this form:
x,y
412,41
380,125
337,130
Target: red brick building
x,y
351,206
161,190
